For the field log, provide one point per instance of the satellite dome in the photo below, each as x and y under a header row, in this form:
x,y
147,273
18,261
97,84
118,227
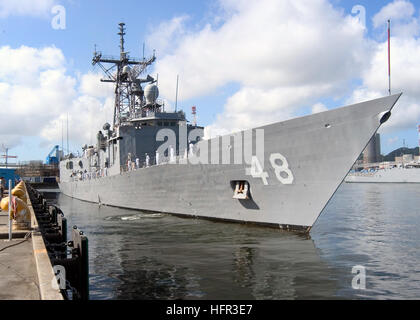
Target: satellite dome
x,y
106,126
126,70
151,92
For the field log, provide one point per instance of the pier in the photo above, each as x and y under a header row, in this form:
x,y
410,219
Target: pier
x,y
39,263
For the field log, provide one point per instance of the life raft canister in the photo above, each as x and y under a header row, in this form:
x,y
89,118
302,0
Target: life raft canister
x,y
21,185
20,193
20,213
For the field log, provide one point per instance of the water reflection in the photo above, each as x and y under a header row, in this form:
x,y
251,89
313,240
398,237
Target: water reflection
x,y
374,225
134,255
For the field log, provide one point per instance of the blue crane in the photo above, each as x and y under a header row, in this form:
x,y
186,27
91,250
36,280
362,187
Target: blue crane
x,y
54,156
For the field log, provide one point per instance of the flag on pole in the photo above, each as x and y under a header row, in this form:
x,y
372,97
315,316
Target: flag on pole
x,y
389,55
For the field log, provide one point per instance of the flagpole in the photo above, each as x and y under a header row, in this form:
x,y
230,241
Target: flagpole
x,y
10,211
176,98
389,55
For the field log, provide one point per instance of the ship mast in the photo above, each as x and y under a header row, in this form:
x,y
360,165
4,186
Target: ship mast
x,y
129,95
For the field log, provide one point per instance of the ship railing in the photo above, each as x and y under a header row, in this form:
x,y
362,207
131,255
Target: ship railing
x,y
143,162
150,113
93,175
365,173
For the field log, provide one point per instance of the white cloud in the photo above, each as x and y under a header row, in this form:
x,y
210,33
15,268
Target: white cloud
x,y
22,65
319,107
401,13
90,84
252,106
9,141
165,36
284,54
406,115
268,43
288,54
36,98
405,69
86,117
392,141
38,8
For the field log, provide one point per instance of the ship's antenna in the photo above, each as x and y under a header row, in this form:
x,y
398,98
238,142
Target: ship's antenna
x,y
68,152
119,71
389,55
194,113
122,41
176,96
62,136
419,139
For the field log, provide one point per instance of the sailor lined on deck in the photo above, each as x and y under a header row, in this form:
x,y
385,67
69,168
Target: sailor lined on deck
x,y
129,162
147,160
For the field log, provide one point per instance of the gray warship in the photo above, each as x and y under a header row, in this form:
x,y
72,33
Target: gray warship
x,y
151,159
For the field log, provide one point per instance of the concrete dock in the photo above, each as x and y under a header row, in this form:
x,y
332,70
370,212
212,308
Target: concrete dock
x,y
25,267
4,228
19,278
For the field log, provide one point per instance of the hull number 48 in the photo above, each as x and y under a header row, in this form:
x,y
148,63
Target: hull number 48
x,y
280,165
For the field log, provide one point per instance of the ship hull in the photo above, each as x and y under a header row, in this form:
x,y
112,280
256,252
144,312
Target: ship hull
x,y
320,150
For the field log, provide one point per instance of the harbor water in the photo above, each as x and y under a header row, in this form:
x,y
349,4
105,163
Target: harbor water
x,y
135,255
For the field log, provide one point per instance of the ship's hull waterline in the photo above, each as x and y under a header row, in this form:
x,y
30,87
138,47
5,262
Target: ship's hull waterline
x,y
320,150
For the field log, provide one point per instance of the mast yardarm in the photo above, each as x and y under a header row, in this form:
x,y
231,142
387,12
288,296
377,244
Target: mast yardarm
x,y
125,72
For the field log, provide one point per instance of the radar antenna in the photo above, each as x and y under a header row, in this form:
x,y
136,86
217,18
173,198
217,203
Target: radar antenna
x,y
129,95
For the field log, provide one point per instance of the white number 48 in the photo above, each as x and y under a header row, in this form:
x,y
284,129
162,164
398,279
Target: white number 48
x,y
256,170
283,168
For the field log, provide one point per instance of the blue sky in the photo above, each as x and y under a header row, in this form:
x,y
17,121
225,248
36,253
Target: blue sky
x,y
95,22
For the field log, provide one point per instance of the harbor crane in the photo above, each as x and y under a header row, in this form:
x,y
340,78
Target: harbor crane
x,y
54,156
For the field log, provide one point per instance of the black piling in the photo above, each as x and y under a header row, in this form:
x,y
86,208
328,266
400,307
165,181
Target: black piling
x,y
71,255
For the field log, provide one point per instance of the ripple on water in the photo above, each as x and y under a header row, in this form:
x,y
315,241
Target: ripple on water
x,y
134,217
136,255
